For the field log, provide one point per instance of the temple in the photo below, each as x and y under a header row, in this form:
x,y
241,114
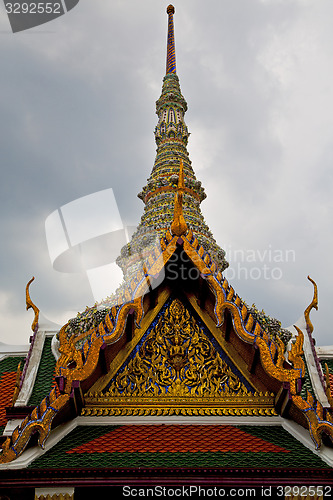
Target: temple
x,y
174,379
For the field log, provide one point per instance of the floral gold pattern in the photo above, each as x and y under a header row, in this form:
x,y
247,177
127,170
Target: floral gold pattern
x,y
176,359
177,370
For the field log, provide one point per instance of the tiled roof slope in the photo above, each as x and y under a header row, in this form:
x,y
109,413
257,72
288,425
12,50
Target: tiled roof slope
x,y
45,375
8,369
134,446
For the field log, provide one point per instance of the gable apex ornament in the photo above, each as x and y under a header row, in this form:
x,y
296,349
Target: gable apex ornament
x,y
178,225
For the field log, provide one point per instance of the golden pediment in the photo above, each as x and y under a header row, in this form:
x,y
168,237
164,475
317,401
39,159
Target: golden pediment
x,y
177,369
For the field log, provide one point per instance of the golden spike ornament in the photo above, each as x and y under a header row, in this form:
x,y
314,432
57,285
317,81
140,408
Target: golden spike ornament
x,y
17,384
31,305
313,305
328,386
178,225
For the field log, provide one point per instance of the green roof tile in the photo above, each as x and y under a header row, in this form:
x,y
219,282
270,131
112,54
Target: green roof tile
x,y
11,363
44,378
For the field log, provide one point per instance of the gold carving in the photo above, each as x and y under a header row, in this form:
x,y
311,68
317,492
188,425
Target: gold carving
x,y
178,225
314,415
30,305
176,359
39,421
177,371
259,406
84,362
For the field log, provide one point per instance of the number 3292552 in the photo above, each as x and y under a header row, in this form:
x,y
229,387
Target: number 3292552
x,y
33,8
304,491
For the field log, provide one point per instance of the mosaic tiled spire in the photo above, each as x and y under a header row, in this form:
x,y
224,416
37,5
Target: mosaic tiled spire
x,y
171,49
171,136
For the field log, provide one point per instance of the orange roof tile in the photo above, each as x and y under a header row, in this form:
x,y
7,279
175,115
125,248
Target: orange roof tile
x,y
7,386
177,438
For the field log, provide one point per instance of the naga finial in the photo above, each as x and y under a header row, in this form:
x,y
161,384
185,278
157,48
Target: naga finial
x,y
171,50
178,225
30,305
313,305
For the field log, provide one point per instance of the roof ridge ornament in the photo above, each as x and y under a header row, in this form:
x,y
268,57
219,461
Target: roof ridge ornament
x,y
178,225
30,304
313,305
171,51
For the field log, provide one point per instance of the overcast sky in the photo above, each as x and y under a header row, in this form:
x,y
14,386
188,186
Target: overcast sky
x,y
77,114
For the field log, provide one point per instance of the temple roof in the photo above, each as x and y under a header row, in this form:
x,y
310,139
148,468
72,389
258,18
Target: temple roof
x,y
179,445
180,349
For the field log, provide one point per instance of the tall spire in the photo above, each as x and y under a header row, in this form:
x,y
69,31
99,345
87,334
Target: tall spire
x,y
171,51
164,190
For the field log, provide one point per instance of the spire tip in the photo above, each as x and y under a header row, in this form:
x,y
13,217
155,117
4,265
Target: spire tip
x,y
171,51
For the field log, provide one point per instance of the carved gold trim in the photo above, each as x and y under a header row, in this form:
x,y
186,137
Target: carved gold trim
x,y
31,305
314,414
129,346
40,421
85,360
244,405
227,347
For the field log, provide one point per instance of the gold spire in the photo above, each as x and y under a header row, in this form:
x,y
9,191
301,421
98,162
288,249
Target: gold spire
x,y
178,225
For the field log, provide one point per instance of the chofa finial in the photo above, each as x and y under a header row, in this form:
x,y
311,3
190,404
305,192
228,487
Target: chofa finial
x,y
313,305
30,304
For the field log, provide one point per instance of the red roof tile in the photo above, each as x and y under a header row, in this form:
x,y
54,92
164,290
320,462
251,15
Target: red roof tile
x,y
7,386
177,438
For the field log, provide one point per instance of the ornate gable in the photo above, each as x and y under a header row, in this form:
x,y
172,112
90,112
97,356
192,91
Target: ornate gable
x,y
178,368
